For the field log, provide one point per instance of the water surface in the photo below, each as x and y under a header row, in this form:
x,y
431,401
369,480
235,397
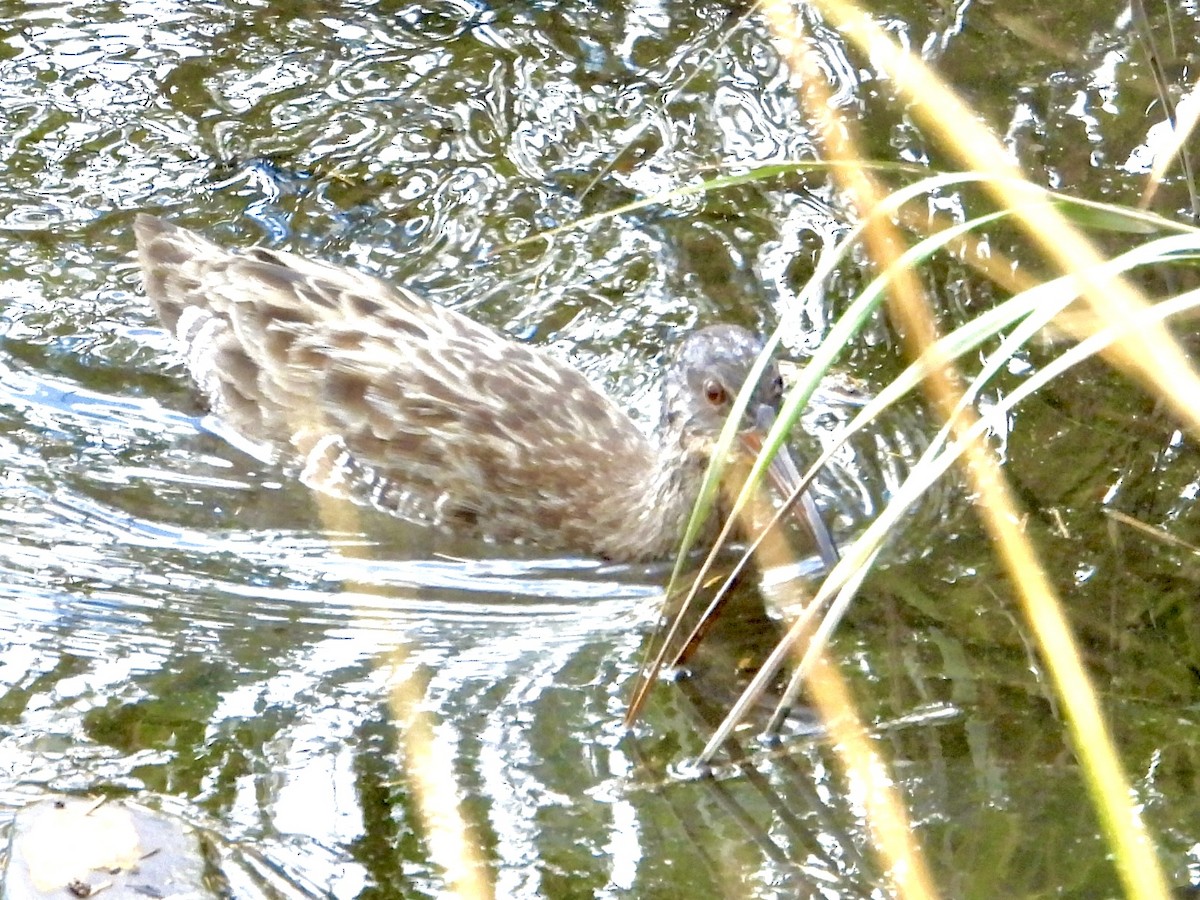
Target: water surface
x,y
180,617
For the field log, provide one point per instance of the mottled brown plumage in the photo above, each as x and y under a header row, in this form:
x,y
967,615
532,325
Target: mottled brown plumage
x,y
391,399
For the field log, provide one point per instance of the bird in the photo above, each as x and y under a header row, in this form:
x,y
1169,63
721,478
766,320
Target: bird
x,y
390,399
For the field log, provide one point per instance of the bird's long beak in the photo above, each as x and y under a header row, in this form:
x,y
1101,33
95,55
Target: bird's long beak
x,y
785,477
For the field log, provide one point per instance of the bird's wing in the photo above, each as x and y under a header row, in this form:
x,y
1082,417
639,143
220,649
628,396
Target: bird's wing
x,y
387,396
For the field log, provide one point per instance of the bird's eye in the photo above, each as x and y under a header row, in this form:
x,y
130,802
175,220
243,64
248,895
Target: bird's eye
x,y
777,386
714,393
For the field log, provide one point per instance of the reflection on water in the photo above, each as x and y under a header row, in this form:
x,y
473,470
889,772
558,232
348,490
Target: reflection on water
x,y
176,617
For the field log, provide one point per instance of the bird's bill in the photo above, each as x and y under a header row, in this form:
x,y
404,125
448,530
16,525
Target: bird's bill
x,y
785,477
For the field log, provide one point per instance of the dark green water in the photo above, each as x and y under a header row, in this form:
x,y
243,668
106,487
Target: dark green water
x,y
175,616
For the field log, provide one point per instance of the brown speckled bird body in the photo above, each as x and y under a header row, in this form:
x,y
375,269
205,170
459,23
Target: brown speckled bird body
x,y
391,399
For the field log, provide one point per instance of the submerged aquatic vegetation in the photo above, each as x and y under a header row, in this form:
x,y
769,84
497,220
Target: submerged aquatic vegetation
x,y
1094,303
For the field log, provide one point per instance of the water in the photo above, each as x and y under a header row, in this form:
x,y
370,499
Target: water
x,y
179,617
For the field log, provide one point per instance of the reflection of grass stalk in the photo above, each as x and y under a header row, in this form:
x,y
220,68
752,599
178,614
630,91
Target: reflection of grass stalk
x,y
450,840
1142,348
894,838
